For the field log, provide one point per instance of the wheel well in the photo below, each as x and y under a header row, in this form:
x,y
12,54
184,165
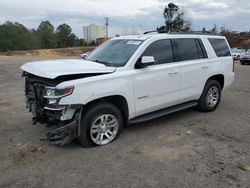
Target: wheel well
x,y
119,101
219,78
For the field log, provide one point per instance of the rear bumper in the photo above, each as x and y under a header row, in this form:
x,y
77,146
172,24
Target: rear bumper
x,y
229,80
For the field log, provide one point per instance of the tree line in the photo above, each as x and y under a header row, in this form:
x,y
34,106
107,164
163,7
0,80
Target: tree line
x,y
15,36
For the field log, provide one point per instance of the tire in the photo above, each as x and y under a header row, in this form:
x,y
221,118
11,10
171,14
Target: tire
x,y
242,63
96,121
207,102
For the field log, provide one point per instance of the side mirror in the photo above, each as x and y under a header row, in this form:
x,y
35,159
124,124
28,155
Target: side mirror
x,y
145,61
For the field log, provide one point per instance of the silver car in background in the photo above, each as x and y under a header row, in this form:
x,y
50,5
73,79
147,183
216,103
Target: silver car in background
x,y
237,53
245,59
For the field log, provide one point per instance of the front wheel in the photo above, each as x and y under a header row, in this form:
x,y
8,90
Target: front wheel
x,y
210,97
100,125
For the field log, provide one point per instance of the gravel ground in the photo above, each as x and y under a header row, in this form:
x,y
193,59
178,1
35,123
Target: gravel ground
x,y
185,149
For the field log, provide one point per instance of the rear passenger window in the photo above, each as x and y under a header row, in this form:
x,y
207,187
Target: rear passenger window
x,y
161,50
220,47
186,49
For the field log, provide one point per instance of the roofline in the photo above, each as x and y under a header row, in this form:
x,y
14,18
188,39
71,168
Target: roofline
x,y
175,35
181,32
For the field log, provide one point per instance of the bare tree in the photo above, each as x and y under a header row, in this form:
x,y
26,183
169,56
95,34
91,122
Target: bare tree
x,y
174,19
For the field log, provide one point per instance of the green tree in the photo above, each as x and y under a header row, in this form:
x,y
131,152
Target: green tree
x,y
174,19
46,34
14,36
65,37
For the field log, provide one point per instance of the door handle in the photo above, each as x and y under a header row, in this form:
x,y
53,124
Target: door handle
x,y
173,73
204,67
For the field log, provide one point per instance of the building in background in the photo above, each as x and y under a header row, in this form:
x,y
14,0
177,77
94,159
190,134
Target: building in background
x,y
93,32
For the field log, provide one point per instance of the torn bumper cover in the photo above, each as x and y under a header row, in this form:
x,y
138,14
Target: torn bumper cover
x,y
63,135
42,99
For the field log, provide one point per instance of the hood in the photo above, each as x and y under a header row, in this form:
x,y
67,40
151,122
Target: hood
x,y
53,68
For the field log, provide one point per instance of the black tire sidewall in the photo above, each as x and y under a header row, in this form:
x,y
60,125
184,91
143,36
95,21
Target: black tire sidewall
x,y
202,104
91,114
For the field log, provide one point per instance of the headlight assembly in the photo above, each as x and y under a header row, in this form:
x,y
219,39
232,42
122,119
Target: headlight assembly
x,y
52,92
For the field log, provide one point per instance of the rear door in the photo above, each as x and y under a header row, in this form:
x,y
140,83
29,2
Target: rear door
x,y
194,67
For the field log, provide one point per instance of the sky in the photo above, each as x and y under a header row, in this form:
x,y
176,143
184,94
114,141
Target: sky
x,y
125,15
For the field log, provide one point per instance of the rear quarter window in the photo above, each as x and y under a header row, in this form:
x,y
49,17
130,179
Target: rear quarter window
x,y
220,47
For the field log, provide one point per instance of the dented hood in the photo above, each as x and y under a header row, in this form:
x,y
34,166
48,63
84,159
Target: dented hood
x,y
55,68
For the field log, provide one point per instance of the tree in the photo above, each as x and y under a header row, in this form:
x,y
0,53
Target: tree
x,y
174,19
64,37
214,30
14,36
46,33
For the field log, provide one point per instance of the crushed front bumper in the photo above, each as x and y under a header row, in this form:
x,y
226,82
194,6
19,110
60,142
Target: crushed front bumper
x,y
62,120
64,134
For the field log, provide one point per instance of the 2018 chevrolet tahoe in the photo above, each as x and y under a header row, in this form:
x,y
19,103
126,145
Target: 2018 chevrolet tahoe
x,y
127,79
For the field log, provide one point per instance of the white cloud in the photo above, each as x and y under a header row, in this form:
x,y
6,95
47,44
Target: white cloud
x,y
124,14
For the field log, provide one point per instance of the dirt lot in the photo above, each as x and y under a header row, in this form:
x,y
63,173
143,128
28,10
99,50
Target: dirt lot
x,y
185,149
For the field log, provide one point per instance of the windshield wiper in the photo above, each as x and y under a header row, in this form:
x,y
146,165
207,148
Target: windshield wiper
x,y
103,62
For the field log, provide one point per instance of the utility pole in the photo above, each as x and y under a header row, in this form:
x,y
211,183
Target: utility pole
x,y
107,26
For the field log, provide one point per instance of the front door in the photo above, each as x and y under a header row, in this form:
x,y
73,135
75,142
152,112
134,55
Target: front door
x,y
157,86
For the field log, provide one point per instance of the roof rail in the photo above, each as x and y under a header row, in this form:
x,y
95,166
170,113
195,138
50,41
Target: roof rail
x,y
147,32
155,31
181,32
193,32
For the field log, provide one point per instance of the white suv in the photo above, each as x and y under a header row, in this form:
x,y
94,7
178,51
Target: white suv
x,y
127,80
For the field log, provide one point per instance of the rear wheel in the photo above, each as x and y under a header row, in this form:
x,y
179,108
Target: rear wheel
x,y
100,125
210,97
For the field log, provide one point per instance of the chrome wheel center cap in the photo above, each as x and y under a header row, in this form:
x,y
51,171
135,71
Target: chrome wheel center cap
x,y
104,127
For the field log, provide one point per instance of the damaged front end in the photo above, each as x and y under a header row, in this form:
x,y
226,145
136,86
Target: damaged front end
x,y
42,99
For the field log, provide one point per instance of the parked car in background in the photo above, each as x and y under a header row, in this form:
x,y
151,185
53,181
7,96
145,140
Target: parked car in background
x,y
245,59
237,53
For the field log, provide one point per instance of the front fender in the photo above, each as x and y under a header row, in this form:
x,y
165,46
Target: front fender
x,y
89,91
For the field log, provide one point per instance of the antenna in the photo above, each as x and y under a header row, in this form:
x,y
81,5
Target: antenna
x,y
107,26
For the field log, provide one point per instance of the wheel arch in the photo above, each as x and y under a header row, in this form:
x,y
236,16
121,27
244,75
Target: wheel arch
x,y
219,78
117,100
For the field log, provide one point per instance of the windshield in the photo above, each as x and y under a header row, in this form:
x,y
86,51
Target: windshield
x,y
115,53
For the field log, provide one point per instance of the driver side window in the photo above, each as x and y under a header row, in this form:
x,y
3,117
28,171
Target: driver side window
x,y
161,50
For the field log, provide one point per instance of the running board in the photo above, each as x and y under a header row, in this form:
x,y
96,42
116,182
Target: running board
x,y
163,112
